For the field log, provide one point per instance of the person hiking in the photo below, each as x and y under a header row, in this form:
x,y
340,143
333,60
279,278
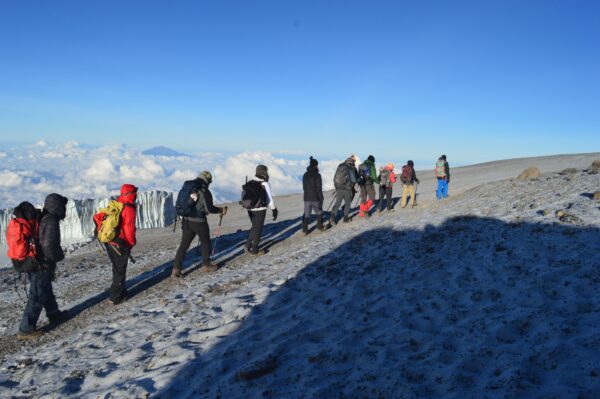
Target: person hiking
x,y
387,178
344,180
196,223
442,173
119,248
368,178
313,195
49,253
408,178
258,212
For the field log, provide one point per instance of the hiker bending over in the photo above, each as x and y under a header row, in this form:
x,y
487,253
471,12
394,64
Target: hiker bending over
x,y
344,180
40,265
408,179
387,178
198,200
115,226
257,198
313,195
368,177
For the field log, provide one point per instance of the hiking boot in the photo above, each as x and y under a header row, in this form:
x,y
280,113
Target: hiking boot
x,y
176,273
24,336
332,222
347,219
210,267
118,301
260,252
305,226
58,317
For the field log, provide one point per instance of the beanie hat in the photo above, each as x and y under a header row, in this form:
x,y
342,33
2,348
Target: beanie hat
x,y
371,158
313,162
443,157
206,176
262,172
390,166
411,163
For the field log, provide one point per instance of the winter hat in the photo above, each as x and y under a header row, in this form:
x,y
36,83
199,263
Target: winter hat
x,y
26,211
262,172
206,176
411,163
443,157
128,189
56,205
371,158
390,166
313,162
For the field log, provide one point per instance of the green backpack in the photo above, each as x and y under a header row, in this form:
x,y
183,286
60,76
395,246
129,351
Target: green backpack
x,y
440,168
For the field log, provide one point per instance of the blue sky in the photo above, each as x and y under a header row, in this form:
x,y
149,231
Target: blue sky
x,y
477,80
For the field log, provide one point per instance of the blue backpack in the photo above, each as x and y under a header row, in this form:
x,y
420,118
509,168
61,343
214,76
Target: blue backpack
x,y
184,206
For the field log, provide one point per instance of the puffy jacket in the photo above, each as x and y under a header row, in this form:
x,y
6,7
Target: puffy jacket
x,y
55,210
313,184
127,224
372,172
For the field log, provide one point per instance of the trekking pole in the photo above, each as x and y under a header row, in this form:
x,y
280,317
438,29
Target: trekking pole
x,y
217,237
332,199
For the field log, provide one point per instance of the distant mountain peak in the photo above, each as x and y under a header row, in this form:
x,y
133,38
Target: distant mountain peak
x,y
162,151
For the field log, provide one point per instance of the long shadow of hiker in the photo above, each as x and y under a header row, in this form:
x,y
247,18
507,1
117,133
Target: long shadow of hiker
x,y
273,233
473,308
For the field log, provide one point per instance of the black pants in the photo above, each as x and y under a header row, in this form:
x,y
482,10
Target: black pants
x,y
190,230
387,193
119,261
41,297
341,195
258,221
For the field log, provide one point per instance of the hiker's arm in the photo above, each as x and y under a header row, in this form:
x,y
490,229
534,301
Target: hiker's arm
x,y
320,187
129,226
447,169
271,203
208,201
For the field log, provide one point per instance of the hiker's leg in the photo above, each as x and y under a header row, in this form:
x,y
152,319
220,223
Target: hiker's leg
x,y
257,226
47,293
34,305
404,200
411,191
445,188
381,195
347,195
388,197
187,236
440,184
119,263
339,197
249,240
203,232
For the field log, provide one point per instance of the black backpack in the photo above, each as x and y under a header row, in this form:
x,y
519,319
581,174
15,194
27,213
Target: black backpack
x,y
341,177
184,206
253,195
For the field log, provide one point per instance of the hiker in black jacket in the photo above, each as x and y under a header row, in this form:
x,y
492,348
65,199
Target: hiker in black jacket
x,y
346,176
41,295
313,195
197,224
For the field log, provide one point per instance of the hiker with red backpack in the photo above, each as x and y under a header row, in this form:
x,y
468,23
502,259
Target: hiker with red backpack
x,y
344,180
115,226
367,179
442,173
408,178
257,198
34,246
387,178
194,203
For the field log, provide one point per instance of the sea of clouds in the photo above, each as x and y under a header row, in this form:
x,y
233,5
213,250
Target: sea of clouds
x,y
30,172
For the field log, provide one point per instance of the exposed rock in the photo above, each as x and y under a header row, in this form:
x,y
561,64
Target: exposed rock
x,y
568,171
530,173
594,167
566,217
596,196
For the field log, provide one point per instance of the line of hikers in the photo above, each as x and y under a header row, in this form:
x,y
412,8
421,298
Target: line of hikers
x,y
34,242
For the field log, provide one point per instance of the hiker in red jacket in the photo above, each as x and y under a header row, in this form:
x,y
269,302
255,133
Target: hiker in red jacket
x,y
119,251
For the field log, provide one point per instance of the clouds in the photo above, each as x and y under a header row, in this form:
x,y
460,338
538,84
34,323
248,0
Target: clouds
x,y
31,172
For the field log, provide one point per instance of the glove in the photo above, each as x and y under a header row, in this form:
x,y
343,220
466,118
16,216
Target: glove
x,y
275,213
194,196
417,180
224,211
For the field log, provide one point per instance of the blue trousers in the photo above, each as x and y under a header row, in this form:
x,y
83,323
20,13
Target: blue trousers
x,y
41,297
442,189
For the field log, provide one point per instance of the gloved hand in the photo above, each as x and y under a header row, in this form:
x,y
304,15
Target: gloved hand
x,y
224,211
275,213
194,196
417,180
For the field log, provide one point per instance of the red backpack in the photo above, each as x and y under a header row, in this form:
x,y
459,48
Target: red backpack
x,y
406,176
21,236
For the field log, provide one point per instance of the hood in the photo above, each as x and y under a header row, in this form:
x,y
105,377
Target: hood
x,y
128,194
351,161
313,169
56,205
369,162
26,211
390,167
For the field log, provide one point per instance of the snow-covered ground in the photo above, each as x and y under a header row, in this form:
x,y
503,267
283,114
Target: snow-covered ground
x,y
490,293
